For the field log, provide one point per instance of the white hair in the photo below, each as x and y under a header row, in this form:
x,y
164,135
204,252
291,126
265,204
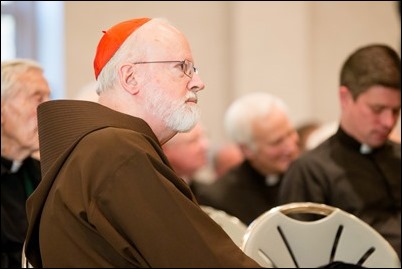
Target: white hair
x,y
10,70
244,111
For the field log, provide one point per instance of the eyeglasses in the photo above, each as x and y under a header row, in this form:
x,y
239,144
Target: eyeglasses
x,y
187,67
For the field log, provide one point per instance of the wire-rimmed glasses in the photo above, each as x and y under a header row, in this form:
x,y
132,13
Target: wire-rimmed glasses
x,y
188,67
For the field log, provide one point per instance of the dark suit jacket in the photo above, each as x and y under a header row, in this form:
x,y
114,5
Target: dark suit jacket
x,y
15,188
365,185
241,192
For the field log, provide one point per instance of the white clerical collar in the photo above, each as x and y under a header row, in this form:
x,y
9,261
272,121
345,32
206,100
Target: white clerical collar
x,y
365,149
15,166
271,180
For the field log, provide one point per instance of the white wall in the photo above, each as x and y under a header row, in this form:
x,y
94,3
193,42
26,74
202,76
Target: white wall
x,y
291,49
271,52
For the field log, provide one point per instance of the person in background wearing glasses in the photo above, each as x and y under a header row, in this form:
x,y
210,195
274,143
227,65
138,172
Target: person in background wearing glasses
x,y
23,88
258,122
358,169
109,197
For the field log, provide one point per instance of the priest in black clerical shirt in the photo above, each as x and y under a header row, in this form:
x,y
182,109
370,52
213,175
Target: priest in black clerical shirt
x,y
358,169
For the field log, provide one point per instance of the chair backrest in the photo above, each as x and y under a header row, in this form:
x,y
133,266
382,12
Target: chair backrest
x,y
275,239
230,224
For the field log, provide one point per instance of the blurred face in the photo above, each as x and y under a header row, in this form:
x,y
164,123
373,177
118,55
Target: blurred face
x,y
276,144
18,113
227,157
187,152
372,116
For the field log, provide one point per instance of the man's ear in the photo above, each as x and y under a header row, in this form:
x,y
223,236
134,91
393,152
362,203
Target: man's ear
x,y
345,96
247,152
127,78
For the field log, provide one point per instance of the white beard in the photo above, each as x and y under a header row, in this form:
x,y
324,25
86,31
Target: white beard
x,y
177,115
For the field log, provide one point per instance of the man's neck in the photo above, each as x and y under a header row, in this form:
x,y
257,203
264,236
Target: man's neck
x,y
13,153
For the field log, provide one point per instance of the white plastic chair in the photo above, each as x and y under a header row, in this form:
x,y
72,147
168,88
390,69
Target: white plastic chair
x,y
275,239
230,224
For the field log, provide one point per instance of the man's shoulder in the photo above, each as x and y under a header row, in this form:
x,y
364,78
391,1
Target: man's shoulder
x,y
319,154
113,142
115,136
231,179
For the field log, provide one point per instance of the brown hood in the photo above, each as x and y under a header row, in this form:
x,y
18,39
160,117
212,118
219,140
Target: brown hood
x,y
62,123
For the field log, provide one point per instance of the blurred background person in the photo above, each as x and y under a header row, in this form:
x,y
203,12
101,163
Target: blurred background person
x,y
188,154
358,169
23,88
259,124
326,130
225,157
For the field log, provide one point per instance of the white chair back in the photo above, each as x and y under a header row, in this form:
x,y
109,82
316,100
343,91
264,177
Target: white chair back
x,y
275,239
230,224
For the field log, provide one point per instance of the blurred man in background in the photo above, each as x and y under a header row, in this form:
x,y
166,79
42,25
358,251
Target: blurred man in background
x,y
260,126
23,88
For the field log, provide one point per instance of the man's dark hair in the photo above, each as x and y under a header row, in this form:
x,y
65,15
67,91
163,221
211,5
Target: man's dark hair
x,y
373,65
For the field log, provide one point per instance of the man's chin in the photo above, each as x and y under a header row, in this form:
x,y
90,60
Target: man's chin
x,y
185,128
375,143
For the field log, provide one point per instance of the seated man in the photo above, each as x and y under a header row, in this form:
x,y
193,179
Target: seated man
x,y
259,124
108,196
358,169
23,88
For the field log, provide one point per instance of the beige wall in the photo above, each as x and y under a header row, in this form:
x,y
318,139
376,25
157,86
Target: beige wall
x,y
339,28
291,49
